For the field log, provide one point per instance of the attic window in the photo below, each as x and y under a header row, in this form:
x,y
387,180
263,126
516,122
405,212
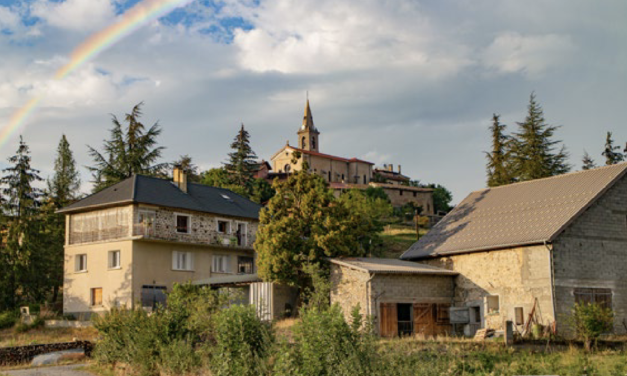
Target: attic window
x,y
227,198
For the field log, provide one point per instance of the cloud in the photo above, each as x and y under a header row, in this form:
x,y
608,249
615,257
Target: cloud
x,y
76,15
533,55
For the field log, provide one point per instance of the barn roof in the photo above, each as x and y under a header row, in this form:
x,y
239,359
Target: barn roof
x,y
389,266
520,214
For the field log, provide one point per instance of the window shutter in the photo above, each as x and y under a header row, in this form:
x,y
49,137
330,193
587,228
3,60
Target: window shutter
x,y
174,259
190,257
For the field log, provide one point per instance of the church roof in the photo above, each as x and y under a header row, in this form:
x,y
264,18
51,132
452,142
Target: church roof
x,y
308,124
322,155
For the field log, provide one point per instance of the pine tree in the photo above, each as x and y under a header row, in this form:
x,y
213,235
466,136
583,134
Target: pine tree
x,y
499,158
588,162
612,153
128,151
65,183
533,147
21,257
242,160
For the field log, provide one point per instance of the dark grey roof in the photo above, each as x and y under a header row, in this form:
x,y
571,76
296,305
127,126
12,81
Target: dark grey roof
x,y
527,213
149,190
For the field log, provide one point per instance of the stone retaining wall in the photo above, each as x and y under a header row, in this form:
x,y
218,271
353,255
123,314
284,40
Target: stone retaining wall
x,y
23,354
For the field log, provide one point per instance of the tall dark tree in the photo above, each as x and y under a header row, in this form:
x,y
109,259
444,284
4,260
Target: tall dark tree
x,y
20,258
130,150
498,166
534,153
612,153
242,160
587,162
64,185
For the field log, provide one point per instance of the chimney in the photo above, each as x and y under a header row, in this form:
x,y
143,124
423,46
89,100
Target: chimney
x,y
180,178
391,167
399,169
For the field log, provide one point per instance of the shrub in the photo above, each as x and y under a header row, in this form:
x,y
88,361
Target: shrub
x,y
589,321
242,342
8,319
178,358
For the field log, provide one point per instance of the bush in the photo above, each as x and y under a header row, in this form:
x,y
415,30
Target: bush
x,y
242,343
8,319
325,344
589,321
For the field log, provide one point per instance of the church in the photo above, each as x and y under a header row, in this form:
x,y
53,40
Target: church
x,y
344,173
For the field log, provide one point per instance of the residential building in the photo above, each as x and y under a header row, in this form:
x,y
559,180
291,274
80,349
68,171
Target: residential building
x,y
129,243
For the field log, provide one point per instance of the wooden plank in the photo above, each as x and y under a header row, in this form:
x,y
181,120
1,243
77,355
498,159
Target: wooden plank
x,y
388,326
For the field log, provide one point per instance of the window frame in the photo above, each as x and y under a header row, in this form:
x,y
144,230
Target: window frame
x,y
229,225
522,316
188,261
110,265
239,264
92,297
176,223
244,236
487,304
224,264
77,263
593,293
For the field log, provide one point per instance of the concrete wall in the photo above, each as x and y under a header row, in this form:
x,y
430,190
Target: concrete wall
x,y
350,287
518,276
592,253
115,283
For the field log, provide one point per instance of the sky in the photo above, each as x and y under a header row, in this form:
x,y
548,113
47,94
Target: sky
x,y
411,83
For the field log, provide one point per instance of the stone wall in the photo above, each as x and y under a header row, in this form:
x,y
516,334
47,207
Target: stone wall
x,y
349,288
592,253
23,354
518,276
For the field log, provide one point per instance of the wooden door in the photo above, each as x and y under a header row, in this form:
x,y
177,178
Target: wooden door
x,y
423,319
388,325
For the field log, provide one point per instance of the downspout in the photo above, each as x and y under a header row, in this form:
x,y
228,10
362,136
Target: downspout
x,y
552,271
368,293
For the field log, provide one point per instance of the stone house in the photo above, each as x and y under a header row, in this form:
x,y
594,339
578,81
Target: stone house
x,y
403,298
541,245
129,243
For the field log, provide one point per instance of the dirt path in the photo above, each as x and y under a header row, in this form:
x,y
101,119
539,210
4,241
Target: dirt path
x,y
49,371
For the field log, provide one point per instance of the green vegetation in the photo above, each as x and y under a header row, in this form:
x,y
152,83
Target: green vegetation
x,y
397,239
589,321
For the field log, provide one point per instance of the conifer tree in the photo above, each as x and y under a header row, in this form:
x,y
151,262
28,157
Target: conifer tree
x,y
65,183
499,159
129,151
612,153
533,147
588,162
21,257
242,160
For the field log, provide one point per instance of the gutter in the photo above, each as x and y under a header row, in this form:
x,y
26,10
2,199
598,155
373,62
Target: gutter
x,y
552,271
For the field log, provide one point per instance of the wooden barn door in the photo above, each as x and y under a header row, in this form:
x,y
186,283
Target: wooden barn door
x,y
423,319
388,325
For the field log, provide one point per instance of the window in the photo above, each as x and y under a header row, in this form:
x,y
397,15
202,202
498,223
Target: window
x,y
182,224
405,319
364,179
493,304
96,296
302,142
146,221
242,234
602,297
329,176
224,227
245,265
182,260
114,259
220,264
342,177
287,168
414,194
400,192
519,317
80,263
153,295
313,143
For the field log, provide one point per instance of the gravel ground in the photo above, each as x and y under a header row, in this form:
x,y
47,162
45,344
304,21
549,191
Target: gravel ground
x,y
69,370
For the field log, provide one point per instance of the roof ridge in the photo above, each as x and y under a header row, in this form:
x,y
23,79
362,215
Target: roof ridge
x,y
623,164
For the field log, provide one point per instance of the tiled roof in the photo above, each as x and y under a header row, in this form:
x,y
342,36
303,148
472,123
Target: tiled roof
x,y
527,213
162,192
328,156
390,266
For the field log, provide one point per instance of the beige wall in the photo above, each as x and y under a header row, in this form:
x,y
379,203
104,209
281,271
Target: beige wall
x,y
350,287
424,199
115,283
592,253
517,276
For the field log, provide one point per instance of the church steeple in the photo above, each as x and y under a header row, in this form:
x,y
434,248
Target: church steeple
x,y
308,134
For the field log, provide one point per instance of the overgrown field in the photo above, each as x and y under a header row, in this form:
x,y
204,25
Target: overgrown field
x,y
397,239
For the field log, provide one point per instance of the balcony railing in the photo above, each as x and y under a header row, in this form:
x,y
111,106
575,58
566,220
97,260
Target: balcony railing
x,y
213,238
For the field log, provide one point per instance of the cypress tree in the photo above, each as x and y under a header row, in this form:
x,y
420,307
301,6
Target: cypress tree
x,y
242,161
533,148
498,160
588,162
611,153
65,183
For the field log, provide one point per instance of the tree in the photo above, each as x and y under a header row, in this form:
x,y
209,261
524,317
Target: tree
x,y
242,160
612,153
20,258
128,151
260,191
588,162
498,166
533,147
65,183
442,198
302,224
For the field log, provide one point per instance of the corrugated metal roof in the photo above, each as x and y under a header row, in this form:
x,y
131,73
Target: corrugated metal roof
x,y
519,214
390,266
162,192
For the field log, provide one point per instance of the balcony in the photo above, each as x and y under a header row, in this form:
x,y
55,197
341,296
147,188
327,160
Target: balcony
x,y
215,238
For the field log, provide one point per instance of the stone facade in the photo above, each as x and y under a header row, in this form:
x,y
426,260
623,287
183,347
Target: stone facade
x,y
518,276
592,253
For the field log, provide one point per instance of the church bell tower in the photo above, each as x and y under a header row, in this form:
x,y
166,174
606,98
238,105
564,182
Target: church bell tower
x,y
308,134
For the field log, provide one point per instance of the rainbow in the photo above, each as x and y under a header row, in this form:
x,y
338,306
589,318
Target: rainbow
x,y
136,17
